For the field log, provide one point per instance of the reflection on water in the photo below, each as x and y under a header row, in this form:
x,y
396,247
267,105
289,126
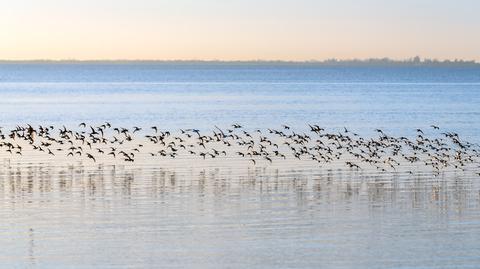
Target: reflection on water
x,y
143,217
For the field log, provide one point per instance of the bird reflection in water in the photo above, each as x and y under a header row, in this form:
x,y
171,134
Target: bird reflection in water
x,y
40,183
79,206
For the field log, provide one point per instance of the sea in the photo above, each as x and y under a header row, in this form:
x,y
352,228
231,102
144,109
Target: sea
x,y
254,216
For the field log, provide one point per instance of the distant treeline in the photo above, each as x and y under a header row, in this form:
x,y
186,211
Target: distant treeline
x,y
415,61
409,62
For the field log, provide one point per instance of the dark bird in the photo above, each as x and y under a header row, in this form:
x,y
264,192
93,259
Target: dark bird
x,y
136,129
91,157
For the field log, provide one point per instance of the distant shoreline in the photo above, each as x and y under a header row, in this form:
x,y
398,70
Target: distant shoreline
x,y
330,62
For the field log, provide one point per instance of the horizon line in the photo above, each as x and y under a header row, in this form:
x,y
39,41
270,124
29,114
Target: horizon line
x,y
332,61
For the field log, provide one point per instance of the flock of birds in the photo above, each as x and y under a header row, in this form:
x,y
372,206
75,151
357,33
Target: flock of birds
x,y
383,152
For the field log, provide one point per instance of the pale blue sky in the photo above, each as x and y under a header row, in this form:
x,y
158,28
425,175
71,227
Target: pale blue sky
x,y
238,29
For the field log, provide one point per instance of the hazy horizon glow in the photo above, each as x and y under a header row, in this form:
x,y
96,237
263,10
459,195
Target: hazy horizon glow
x,y
238,29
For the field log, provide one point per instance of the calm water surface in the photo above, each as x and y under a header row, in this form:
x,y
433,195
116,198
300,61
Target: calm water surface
x,y
136,216
396,99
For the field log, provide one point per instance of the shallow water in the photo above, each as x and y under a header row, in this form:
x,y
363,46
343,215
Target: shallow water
x,y
130,217
235,215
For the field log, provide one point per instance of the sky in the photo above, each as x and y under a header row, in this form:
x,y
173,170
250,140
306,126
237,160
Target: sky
x,y
292,30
